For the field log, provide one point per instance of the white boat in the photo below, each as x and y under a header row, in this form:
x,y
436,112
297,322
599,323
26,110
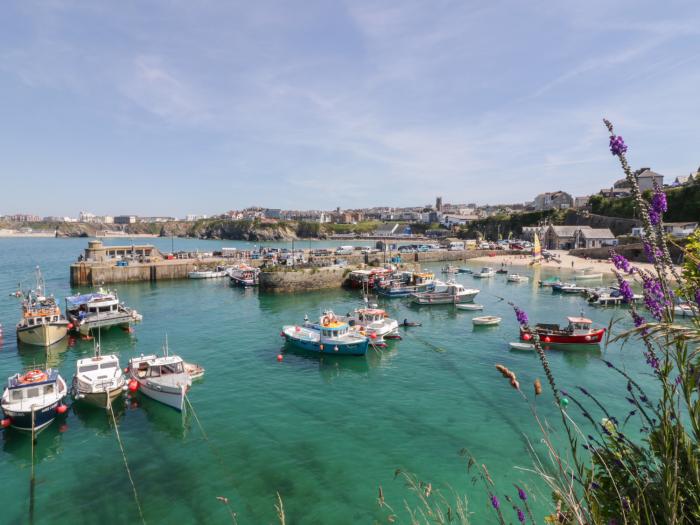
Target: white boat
x,y
587,273
571,288
452,294
370,321
100,309
449,269
42,323
484,273
517,278
522,346
244,275
686,310
194,370
220,271
486,320
470,306
163,378
98,380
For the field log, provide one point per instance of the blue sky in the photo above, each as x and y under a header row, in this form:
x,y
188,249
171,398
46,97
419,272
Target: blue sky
x,y
175,107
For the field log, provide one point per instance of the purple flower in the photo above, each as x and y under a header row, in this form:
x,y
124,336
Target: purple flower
x,y
651,253
638,319
652,361
521,493
521,515
654,297
626,290
658,206
521,316
620,262
617,145
494,501
697,297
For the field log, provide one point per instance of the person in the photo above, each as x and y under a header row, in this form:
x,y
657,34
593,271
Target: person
x,y
405,322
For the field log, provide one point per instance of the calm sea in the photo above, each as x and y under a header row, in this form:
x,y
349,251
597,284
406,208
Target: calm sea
x,y
324,433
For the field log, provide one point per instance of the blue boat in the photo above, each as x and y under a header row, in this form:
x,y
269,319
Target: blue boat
x,y
407,284
330,336
33,400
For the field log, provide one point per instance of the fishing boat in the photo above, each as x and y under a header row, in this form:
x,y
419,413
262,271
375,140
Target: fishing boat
x,y
550,282
100,309
245,276
42,323
163,378
449,269
31,401
517,278
484,273
486,320
328,336
525,347
98,380
452,294
587,274
470,306
578,331
406,284
686,310
371,321
220,271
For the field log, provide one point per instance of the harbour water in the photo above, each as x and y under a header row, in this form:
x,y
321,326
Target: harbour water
x,y
322,432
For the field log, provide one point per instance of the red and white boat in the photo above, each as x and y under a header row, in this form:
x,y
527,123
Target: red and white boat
x,y
579,332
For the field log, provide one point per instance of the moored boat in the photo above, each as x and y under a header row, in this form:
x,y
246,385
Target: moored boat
x,y
486,320
470,306
517,278
372,321
329,336
406,284
524,347
42,323
244,275
550,282
587,274
31,401
484,273
453,293
100,309
220,271
98,380
686,310
578,331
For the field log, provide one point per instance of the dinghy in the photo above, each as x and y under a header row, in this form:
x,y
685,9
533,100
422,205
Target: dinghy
x,y
470,306
486,320
522,346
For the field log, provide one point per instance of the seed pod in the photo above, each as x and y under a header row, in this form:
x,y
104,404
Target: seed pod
x,y
538,387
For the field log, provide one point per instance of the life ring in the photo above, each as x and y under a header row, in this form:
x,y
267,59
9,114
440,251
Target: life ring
x,y
34,376
325,321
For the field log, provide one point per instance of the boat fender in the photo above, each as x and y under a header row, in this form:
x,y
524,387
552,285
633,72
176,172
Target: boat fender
x,y
547,339
62,409
6,422
336,348
320,347
588,338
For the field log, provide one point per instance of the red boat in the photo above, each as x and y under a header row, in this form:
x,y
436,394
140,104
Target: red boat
x,y
579,332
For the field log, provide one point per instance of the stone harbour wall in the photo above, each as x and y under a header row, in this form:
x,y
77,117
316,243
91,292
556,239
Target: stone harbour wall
x,y
306,279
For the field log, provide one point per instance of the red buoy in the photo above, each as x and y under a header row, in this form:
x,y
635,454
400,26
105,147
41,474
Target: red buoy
x,y
133,385
527,337
62,409
6,422
70,326
547,339
372,335
280,357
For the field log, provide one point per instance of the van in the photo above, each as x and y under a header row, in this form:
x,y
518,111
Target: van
x,y
344,250
456,245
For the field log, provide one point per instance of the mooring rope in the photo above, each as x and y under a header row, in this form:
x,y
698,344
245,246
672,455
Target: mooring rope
x,y
194,413
126,463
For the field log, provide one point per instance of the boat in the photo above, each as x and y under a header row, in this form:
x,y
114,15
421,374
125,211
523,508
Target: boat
x,y
484,273
408,323
517,278
98,380
486,320
405,284
550,282
470,306
244,275
371,321
194,370
328,336
464,270
501,271
31,401
578,331
42,323
100,309
366,278
522,346
569,288
686,310
587,273
449,269
452,294
609,297
220,271
162,378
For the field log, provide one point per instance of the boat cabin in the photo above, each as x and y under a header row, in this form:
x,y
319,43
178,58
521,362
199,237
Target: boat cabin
x,y
371,315
108,363
32,385
579,325
94,303
160,367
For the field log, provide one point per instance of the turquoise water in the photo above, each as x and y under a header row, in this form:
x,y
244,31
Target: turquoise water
x,y
323,432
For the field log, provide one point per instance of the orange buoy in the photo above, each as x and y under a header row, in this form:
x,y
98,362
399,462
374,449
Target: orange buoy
x,y
62,409
279,358
133,385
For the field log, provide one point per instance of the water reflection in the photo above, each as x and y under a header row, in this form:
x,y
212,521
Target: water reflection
x,y
32,356
162,418
48,443
98,419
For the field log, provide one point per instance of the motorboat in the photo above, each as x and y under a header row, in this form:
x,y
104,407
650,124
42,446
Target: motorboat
x,y
220,271
484,273
517,278
453,293
587,274
525,347
686,310
244,275
98,380
568,288
370,321
42,323
328,336
406,323
550,282
578,331
405,284
194,370
464,270
32,400
100,309
486,320
470,306
501,271
162,378
449,269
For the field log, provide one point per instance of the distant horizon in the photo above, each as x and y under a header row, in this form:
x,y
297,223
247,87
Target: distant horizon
x,y
181,109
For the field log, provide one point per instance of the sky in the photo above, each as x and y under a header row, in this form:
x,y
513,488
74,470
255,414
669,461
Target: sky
x,y
176,107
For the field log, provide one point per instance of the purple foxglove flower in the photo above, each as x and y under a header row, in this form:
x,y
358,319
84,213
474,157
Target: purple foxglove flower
x,y
617,145
697,297
652,253
521,316
621,263
521,494
521,515
658,205
626,291
654,297
494,502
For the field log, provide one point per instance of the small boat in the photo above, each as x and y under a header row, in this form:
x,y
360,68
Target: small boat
x,y
522,346
370,321
454,293
329,336
470,306
484,273
587,273
98,380
686,310
31,401
578,331
486,320
568,288
42,323
517,278
408,323
194,370
244,275
100,309
465,270
449,269
501,271
406,284
163,378
220,271
550,282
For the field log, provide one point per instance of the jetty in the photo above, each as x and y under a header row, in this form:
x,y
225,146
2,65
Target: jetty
x,y
102,264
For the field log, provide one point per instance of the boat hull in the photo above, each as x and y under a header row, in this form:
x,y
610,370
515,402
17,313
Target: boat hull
x,y
593,338
43,335
174,398
332,348
98,399
450,299
43,417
